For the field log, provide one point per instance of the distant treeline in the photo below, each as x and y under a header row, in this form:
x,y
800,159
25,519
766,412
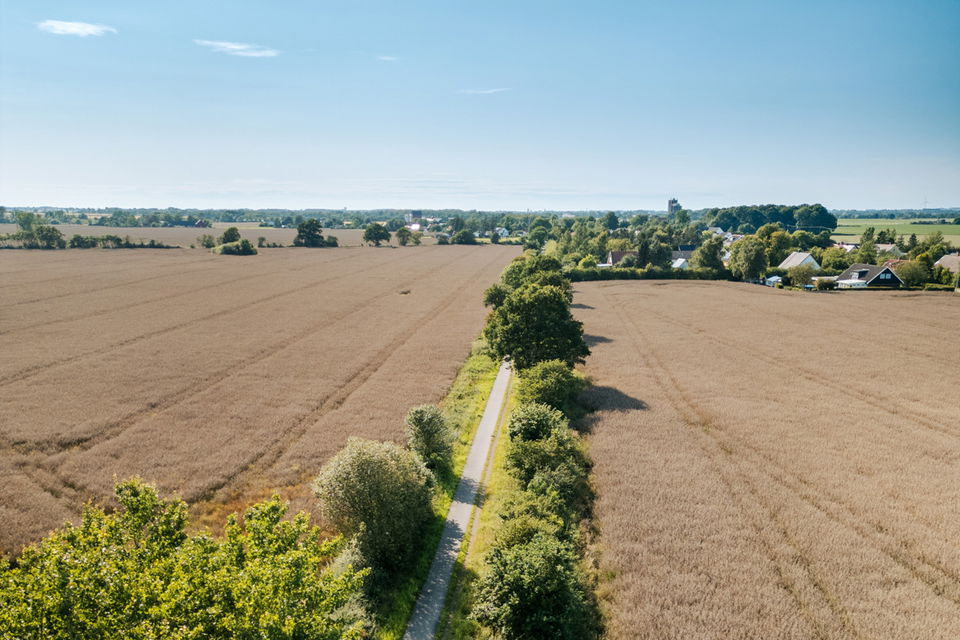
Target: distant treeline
x,y
893,214
749,218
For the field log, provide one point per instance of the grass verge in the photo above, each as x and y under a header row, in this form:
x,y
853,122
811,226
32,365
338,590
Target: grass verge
x,y
463,406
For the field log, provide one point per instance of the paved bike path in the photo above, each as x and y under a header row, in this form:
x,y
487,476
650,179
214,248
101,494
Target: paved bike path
x,y
429,606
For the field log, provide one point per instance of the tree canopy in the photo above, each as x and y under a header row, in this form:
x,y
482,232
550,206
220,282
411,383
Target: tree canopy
x,y
534,324
375,233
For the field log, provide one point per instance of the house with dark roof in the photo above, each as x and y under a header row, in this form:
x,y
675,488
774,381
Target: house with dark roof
x,y
861,276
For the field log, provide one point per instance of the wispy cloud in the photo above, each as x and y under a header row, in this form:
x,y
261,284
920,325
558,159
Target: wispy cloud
x,y
478,92
239,49
82,29
388,58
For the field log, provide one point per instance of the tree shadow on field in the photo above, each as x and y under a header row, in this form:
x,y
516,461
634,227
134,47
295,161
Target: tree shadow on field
x,y
606,399
593,341
580,305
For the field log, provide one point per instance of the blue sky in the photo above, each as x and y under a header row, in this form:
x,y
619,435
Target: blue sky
x,y
489,105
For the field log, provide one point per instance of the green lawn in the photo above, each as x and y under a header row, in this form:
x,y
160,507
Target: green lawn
x,y
850,229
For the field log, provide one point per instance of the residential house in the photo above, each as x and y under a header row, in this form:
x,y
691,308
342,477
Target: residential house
x,y
680,263
951,262
889,248
861,276
800,258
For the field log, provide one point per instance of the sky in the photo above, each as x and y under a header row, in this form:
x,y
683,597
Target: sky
x,y
497,105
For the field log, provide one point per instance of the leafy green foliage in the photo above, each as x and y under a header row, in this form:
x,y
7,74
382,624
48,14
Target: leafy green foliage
x,y
309,234
523,269
748,258
709,255
463,237
136,574
404,236
801,275
380,493
495,295
430,437
535,590
912,273
534,324
232,234
535,421
240,248
375,233
553,383
207,241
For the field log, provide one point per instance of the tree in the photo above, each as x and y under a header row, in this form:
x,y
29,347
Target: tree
x,y
588,262
379,493
912,273
552,383
207,241
494,238
611,221
135,573
495,295
232,234
430,437
309,234
522,270
404,236
534,324
709,255
375,233
48,237
748,258
835,259
464,236
801,275
867,253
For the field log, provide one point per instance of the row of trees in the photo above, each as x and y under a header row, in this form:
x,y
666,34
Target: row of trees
x,y
33,233
533,585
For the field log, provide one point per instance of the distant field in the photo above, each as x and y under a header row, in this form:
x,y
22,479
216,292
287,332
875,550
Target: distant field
x,y
220,378
775,464
850,229
185,236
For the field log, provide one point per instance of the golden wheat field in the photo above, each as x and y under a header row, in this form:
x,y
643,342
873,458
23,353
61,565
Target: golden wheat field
x,y
775,464
220,378
185,236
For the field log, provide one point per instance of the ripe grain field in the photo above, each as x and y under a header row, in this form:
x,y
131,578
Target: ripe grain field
x,y
775,464
221,378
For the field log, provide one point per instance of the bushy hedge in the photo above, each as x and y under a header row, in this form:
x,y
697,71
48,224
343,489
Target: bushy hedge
x,y
239,248
552,383
533,586
649,273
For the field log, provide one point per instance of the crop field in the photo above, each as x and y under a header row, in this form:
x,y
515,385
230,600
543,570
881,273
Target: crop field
x,y
185,236
775,464
220,378
850,229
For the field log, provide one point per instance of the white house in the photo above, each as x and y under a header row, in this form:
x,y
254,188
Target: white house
x,y
680,263
800,258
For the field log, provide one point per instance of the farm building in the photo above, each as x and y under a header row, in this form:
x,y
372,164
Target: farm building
x,y
861,276
951,262
616,256
799,258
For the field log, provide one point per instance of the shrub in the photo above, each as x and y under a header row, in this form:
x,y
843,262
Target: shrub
x,y
495,295
241,248
463,236
332,241
380,493
207,241
551,382
527,457
826,285
534,590
442,239
261,242
534,421
430,437
588,262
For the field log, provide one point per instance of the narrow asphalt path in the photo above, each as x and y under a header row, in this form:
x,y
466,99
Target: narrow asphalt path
x,y
429,606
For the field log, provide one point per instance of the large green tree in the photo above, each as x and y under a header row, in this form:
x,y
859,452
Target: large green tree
x,y
375,233
748,258
136,574
309,234
534,324
709,255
